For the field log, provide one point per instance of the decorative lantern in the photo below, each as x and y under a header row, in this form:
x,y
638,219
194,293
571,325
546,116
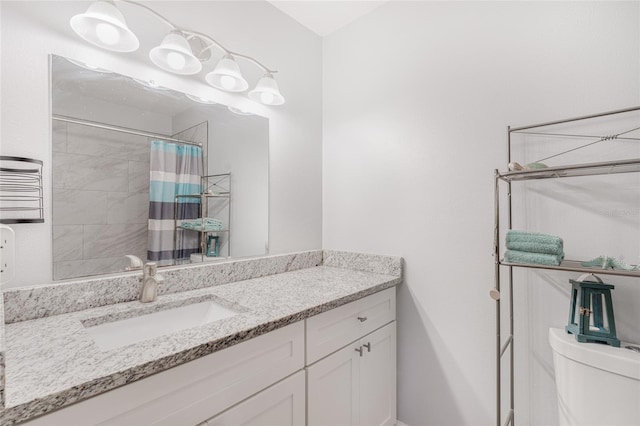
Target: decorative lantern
x,y
591,312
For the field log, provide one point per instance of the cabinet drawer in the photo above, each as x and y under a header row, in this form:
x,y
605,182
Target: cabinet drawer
x,y
193,392
331,330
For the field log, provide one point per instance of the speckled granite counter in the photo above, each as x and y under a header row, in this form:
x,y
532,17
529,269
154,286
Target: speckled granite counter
x,y
52,362
2,344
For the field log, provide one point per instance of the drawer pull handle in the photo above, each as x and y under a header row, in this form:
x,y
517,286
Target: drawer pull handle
x,y
362,319
359,350
368,346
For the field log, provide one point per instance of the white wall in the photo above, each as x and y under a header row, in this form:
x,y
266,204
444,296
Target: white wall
x,y
32,30
417,96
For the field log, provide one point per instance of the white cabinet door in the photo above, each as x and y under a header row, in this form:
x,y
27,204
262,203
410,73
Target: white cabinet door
x,y
332,389
279,405
357,384
378,378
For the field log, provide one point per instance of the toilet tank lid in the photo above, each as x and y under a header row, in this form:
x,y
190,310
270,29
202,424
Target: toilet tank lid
x,y
605,357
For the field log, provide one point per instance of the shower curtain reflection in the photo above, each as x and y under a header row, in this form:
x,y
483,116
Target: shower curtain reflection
x,y
175,169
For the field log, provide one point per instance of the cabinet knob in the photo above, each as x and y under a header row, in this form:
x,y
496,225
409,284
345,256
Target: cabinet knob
x,y
368,346
359,350
362,319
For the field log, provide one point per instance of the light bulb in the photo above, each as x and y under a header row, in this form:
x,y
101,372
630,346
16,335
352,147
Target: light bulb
x,y
266,97
176,60
107,34
227,82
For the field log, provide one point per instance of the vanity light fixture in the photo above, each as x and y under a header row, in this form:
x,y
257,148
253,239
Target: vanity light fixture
x,y
104,25
267,91
227,76
175,55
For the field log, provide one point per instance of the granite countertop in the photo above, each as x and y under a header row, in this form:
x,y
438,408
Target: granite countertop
x,y
52,362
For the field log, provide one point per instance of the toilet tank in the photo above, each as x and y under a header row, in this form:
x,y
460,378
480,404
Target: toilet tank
x,y
597,384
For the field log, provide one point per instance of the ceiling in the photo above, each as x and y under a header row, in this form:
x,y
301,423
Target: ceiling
x,y
326,16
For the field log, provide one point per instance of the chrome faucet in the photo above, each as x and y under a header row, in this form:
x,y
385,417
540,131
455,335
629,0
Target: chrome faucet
x,y
150,281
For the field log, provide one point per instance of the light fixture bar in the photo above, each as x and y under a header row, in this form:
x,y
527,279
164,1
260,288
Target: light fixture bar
x,y
162,18
212,41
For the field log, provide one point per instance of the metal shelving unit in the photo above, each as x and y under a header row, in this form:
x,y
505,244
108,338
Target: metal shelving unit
x,y
507,178
213,187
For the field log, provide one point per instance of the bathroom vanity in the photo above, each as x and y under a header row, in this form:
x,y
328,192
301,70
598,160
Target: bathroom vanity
x,y
307,338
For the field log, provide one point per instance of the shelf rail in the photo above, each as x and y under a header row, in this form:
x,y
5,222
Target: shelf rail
x,y
580,118
574,170
575,266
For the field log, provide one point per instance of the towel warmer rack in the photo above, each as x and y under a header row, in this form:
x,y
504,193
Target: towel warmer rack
x,y
21,190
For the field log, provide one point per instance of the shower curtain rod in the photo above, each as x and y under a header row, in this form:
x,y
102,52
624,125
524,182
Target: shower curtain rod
x,y
120,129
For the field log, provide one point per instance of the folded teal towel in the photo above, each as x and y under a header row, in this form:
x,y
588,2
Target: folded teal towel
x,y
535,247
532,237
514,256
202,224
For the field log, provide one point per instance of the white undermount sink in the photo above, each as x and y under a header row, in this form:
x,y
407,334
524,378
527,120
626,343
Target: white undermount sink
x,y
115,334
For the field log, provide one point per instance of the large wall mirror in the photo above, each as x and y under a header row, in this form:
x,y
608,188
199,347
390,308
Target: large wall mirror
x,y
145,171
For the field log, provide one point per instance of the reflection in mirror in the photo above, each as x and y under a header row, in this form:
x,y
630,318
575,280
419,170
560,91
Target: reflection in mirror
x,y
150,172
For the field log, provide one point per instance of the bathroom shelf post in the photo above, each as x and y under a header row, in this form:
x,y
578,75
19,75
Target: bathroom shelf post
x,y
512,413
495,294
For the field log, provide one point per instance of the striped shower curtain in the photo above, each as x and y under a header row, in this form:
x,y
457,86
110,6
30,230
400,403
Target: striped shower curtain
x,y
176,169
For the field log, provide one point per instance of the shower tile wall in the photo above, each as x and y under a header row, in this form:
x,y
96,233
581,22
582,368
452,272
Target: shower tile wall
x,y
100,199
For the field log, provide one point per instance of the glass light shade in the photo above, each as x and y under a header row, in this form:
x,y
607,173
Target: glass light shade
x,y
226,76
103,25
174,55
267,91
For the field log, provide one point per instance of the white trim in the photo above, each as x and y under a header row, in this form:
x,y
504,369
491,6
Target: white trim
x,y
399,423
